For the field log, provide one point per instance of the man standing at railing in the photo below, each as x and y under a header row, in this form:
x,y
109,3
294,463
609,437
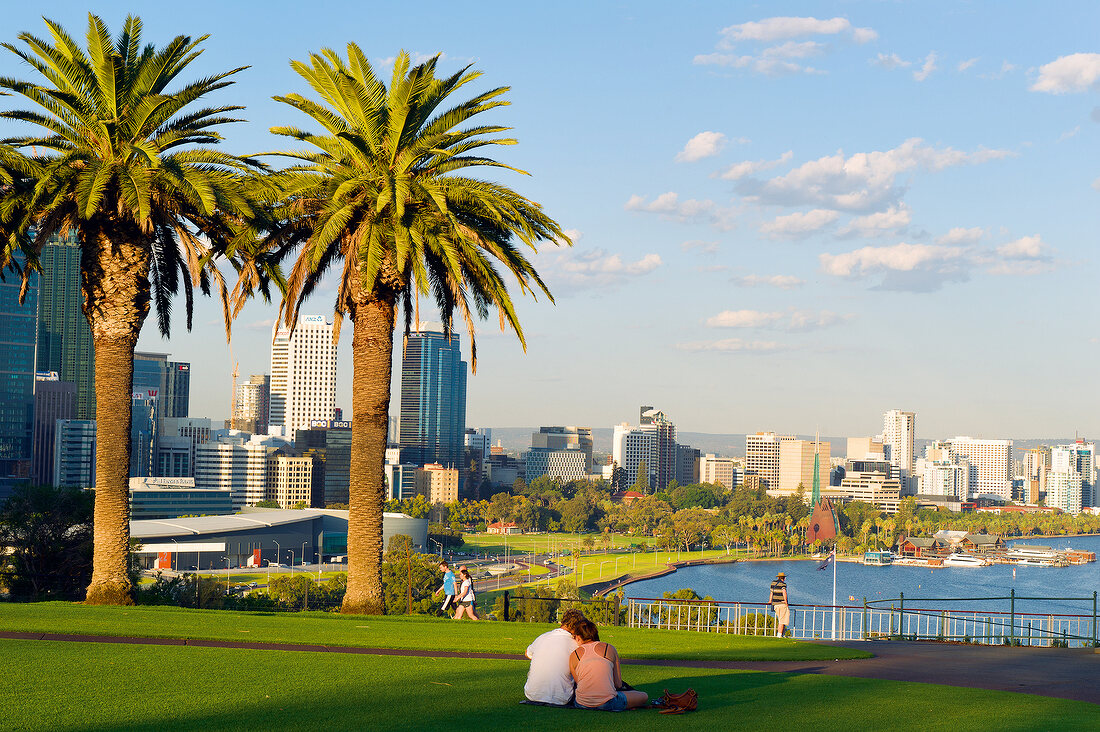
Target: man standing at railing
x,y
779,604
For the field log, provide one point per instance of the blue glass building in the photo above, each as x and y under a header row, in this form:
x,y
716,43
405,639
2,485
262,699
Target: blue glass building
x,y
17,344
433,400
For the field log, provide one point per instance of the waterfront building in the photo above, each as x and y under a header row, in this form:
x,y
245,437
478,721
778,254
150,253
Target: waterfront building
x,y
251,405
724,471
872,486
1079,457
899,432
64,337
74,453
796,465
433,400
564,464
53,400
168,497
167,381
17,368
762,457
437,483
990,466
330,442
303,375
1064,489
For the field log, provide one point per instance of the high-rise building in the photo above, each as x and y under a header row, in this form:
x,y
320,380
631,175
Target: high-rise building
x,y
144,435
237,465
437,483
53,400
289,479
899,432
990,472
64,336
330,442
1079,457
17,344
662,460
251,405
303,375
433,400
178,438
74,453
864,448
400,479
564,438
169,382
724,471
687,465
630,447
565,464
762,457
796,465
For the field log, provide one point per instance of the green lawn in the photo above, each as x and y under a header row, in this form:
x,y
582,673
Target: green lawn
x,y
417,632
85,686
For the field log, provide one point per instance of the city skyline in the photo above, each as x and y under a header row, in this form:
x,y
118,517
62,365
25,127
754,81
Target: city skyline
x,y
894,200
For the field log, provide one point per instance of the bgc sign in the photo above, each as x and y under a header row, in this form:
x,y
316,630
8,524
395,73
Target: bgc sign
x,y
331,424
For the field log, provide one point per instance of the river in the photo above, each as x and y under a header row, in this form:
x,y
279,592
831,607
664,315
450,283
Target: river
x,y
748,582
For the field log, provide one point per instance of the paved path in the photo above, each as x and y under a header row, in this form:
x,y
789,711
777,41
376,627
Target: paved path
x,y
1067,673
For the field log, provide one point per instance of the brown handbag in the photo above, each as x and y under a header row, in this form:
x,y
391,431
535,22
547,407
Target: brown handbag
x,y
688,701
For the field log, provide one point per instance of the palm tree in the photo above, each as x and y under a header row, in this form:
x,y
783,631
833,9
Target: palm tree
x,y
382,190
127,164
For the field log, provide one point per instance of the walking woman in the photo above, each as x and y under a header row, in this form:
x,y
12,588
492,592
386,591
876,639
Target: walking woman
x,y
465,599
595,667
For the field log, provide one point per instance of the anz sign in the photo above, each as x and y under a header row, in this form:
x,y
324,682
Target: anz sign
x,y
314,319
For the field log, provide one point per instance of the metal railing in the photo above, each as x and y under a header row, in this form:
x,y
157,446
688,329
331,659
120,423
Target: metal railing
x,y
897,618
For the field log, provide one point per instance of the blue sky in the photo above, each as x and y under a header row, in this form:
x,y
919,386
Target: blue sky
x,y
787,216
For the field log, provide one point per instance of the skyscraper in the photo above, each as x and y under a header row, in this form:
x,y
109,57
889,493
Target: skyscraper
x,y
74,453
251,405
53,400
899,431
990,461
796,464
433,400
64,337
762,457
17,342
303,375
167,381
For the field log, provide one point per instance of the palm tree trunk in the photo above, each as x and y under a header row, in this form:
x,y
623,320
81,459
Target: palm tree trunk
x,y
372,351
114,370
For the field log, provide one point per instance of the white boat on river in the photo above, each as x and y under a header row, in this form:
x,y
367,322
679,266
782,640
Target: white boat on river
x,y
964,560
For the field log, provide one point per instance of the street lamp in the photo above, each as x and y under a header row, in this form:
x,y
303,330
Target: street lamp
x,y
304,554
177,557
440,548
278,553
291,553
226,574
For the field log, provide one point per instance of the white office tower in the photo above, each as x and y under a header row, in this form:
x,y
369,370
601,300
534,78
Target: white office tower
x,y
899,431
630,446
945,478
990,473
237,465
479,442
724,471
796,465
762,457
303,374
1064,481
1081,457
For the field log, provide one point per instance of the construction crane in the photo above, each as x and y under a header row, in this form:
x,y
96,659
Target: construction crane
x,y
233,394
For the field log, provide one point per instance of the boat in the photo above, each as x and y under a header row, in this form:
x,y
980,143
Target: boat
x,y
878,559
963,560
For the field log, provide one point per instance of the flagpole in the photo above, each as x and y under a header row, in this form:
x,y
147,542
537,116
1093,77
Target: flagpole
x,y
834,591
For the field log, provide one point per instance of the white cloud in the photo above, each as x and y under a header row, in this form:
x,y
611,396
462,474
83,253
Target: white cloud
x,y
1026,247
864,182
928,67
574,235
731,345
880,222
764,66
264,324
1068,134
751,167
1074,73
901,257
799,224
794,49
964,65
704,247
793,320
864,35
889,61
575,270
669,204
959,235
776,29
703,145
783,282
1096,184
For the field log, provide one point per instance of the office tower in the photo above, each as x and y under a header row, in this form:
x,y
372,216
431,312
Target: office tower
x,y
630,446
945,478
303,375
1079,457
687,465
74,453
565,464
167,381
479,443
433,400
178,437
437,483
899,431
723,471
564,438
1036,465
251,405
990,461
53,400
237,465
330,442
874,486
163,497
17,344
662,461
796,464
289,479
400,481
64,337
863,448
762,457
144,435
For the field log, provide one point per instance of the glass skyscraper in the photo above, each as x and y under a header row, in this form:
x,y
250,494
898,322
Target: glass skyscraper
x,y
168,381
64,336
17,341
433,400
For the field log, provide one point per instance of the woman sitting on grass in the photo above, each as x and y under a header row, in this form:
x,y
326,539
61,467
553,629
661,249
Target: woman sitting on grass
x,y
595,667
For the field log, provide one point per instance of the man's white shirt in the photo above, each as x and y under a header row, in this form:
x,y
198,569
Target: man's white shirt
x,y
549,680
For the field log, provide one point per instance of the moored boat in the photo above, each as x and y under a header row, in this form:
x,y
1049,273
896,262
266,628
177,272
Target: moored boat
x,y
963,560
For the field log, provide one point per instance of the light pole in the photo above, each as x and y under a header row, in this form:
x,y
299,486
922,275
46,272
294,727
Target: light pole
x,y
440,548
226,574
278,553
291,553
304,554
177,557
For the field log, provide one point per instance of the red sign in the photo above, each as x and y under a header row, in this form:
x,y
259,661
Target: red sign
x,y
152,393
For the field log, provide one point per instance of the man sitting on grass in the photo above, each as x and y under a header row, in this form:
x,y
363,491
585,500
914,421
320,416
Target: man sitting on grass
x,y
549,680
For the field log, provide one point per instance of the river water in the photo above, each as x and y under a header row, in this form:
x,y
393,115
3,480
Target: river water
x,y
806,585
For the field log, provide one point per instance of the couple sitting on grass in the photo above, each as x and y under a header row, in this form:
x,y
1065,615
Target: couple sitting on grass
x,y
569,665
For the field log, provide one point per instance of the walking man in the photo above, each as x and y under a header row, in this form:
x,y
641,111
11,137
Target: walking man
x,y
448,588
779,604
